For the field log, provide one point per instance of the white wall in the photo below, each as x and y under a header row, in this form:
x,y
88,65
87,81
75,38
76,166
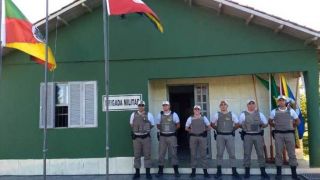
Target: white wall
x,y
236,89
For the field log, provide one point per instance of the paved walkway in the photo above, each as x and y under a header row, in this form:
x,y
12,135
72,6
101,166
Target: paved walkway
x,y
128,177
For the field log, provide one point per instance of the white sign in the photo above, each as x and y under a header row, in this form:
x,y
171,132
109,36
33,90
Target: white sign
x,y
121,102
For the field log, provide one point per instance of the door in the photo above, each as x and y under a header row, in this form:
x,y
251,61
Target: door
x,y
182,102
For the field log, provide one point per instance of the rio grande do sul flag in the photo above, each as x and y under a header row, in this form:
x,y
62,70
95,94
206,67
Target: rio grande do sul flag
x,y
121,7
18,33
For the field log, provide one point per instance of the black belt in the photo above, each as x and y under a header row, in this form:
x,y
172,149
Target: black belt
x,y
204,134
225,133
283,131
167,134
142,136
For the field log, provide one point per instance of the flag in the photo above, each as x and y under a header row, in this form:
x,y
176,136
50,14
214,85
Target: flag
x,y
121,7
18,33
286,91
274,90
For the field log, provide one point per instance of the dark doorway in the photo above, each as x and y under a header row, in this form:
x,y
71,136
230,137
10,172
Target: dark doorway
x,y
182,101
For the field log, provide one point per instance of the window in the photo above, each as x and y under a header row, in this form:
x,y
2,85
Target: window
x,y
201,97
69,105
62,105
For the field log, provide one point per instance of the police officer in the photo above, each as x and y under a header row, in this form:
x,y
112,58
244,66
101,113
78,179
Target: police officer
x,y
197,126
167,123
284,120
141,123
252,123
225,123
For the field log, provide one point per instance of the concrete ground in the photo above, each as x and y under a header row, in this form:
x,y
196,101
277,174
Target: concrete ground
x,y
126,177
304,171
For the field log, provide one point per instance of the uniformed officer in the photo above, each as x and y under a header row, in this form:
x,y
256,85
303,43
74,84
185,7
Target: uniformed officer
x,y
284,120
197,126
252,123
225,123
168,122
141,123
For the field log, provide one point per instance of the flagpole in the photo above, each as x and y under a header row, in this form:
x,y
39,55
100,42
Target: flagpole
x,y
46,97
106,76
270,128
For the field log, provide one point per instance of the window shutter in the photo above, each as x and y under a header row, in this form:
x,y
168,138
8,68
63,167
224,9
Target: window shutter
x,y
75,104
90,104
50,105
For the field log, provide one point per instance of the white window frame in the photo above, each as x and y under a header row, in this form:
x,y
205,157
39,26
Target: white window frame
x,y
82,119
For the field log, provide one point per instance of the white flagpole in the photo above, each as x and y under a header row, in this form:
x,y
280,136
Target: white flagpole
x,y
106,75
46,97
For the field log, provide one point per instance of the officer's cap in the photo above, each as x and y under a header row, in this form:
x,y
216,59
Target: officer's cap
x,y
165,103
224,101
196,107
251,100
281,97
141,102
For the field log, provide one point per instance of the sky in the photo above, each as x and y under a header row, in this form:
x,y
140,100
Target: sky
x,y
35,10
303,12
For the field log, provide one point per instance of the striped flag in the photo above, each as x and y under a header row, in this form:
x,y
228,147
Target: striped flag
x,y
286,91
18,33
121,7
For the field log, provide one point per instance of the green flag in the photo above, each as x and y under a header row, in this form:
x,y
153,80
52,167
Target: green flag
x,y
274,89
264,82
274,93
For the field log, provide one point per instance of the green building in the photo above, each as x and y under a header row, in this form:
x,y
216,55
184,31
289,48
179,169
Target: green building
x,y
208,52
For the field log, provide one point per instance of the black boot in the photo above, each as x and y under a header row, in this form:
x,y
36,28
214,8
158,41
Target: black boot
x,y
294,172
137,174
278,176
193,173
160,171
263,173
235,173
247,172
219,173
205,173
148,175
176,171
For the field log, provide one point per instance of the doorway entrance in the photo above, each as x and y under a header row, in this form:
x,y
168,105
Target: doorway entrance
x,y
182,101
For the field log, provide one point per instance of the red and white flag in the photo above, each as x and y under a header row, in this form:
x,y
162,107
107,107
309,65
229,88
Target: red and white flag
x,y
121,7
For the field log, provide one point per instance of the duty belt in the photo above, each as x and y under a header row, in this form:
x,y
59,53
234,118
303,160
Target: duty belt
x,y
243,133
225,133
203,134
167,134
283,131
142,136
